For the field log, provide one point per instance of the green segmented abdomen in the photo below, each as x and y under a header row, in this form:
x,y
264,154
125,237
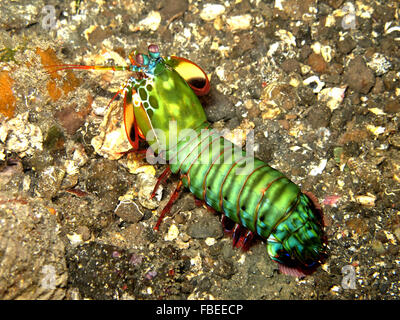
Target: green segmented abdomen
x,y
249,192
214,170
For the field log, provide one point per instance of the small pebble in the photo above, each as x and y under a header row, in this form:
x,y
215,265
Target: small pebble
x,y
150,275
378,247
84,232
397,233
317,63
392,106
242,22
211,11
359,77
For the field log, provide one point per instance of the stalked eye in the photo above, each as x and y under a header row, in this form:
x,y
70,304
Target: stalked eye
x,y
154,52
139,59
142,59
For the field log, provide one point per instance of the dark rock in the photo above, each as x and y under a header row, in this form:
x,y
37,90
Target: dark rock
x,y
335,3
217,106
106,182
317,63
185,203
291,65
224,269
379,86
335,70
129,212
319,117
390,80
70,119
347,45
359,77
54,140
351,149
208,226
173,8
98,35
355,98
384,13
389,46
305,51
392,106
307,95
49,182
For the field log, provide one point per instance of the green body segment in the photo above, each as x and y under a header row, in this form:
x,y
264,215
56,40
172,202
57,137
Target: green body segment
x,y
249,192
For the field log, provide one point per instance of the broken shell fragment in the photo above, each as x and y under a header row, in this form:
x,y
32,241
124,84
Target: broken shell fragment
x,y
332,96
112,142
211,11
315,83
367,200
242,22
